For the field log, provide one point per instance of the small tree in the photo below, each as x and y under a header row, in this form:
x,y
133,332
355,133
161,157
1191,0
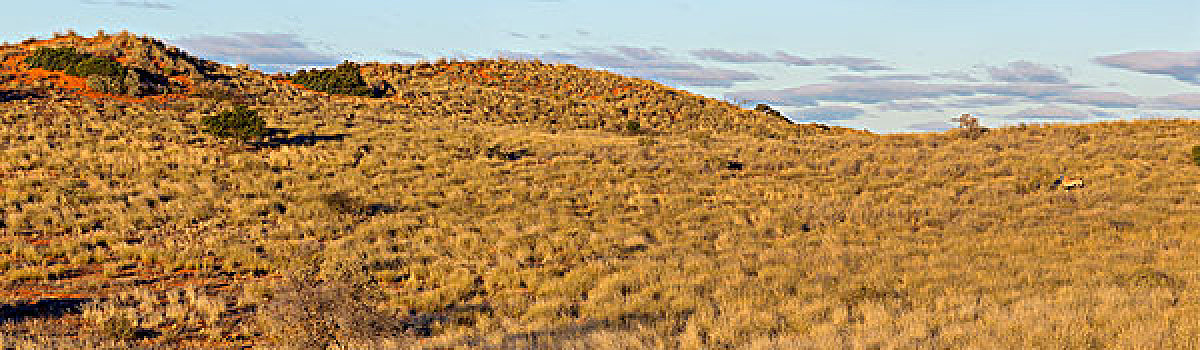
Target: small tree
x,y
345,79
56,58
241,123
1196,155
96,66
633,127
969,125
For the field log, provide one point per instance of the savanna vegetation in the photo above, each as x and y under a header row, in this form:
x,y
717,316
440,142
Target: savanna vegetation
x,y
518,204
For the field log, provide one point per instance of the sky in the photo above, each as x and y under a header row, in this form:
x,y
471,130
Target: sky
x,y
884,66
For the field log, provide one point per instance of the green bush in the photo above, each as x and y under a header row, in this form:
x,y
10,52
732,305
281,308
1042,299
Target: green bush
x,y
74,63
1196,155
58,58
241,123
633,126
96,66
345,79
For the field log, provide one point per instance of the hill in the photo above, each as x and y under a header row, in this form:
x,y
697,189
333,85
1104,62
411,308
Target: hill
x,y
495,204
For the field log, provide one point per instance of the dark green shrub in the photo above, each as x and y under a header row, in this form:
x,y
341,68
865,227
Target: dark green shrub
x,y
345,79
72,62
241,123
58,58
96,66
633,126
1196,155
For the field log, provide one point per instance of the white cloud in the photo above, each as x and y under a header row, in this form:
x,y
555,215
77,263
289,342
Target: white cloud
x,y
1184,66
256,49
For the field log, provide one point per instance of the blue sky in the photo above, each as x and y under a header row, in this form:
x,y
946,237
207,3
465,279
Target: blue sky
x,y
884,66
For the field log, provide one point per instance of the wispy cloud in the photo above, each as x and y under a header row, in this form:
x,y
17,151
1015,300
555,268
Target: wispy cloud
x,y
155,5
898,95
956,75
857,64
1050,112
952,103
697,76
1026,72
983,101
1186,101
914,106
405,53
862,92
886,77
1100,99
654,63
1184,66
826,113
266,50
931,126
849,62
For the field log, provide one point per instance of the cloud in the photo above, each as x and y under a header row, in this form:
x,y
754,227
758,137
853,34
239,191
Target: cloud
x,y
863,78
1188,101
862,92
1100,99
1049,112
643,54
826,113
735,57
955,75
1184,66
857,64
880,91
1030,90
983,101
582,32
1026,72
154,5
955,103
699,76
405,53
654,63
267,50
909,106
931,126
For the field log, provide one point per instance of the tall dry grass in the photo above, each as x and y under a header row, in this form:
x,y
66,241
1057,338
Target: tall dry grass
x,y
449,232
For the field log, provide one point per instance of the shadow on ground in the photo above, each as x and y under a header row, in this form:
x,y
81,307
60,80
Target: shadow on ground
x,y
18,312
282,137
14,95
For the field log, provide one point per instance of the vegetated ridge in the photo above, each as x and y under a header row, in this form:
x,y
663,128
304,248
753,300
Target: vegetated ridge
x,y
170,201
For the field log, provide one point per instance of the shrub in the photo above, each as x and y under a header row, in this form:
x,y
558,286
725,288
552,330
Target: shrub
x,y
241,123
1196,155
96,66
58,58
345,79
311,312
633,126
969,126
72,62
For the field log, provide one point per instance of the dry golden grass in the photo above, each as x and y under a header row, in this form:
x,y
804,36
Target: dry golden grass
x,y
435,223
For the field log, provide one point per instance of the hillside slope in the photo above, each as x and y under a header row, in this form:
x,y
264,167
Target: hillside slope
x,y
384,223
